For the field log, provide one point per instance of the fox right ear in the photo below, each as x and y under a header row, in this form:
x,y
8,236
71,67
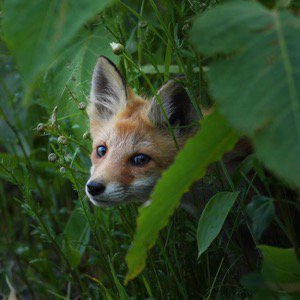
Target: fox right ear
x,y
108,90
177,105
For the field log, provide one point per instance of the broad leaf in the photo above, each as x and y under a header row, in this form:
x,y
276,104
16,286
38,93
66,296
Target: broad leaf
x,y
76,236
74,69
280,265
257,83
280,275
261,211
213,140
68,82
213,218
36,31
281,270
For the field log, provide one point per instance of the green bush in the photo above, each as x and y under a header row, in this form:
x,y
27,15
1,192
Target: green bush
x,y
242,58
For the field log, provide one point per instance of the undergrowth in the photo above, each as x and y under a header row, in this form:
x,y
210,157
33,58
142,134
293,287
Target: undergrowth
x,y
53,243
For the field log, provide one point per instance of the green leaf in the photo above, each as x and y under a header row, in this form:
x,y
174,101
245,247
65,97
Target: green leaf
x,y
121,290
213,218
74,69
280,265
36,31
76,236
257,84
280,275
207,146
281,270
261,210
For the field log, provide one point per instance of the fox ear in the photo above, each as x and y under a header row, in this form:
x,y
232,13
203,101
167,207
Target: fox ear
x,y
177,105
108,90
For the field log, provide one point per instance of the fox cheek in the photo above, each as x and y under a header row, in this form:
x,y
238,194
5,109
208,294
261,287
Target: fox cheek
x,y
92,170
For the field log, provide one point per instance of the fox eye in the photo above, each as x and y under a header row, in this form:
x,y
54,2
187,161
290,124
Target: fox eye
x,y
140,160
101,150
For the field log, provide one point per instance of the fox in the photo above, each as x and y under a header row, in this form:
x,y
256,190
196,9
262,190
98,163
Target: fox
x,y
132,145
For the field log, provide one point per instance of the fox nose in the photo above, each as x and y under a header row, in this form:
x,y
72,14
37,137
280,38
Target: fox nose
x,y
95,188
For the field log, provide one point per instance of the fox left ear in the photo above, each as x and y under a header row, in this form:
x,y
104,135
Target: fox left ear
x,y
177,105
108,90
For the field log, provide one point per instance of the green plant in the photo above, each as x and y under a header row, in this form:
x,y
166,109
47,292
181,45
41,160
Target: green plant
x,y
53,244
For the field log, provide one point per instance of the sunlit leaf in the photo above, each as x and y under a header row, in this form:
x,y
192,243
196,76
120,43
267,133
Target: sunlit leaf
x,y
213,140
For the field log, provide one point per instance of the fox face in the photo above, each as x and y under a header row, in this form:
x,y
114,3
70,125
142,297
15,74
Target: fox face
x,y
131,141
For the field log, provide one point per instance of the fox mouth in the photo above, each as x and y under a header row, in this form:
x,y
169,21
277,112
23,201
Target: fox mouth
x,y
115,199
116,194
110,203
103,203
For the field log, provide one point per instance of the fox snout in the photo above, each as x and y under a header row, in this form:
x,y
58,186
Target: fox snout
x,y
115,193
105,195
95,188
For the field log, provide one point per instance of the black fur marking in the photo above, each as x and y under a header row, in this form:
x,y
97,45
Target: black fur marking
x,y
117,70
182,107
102,85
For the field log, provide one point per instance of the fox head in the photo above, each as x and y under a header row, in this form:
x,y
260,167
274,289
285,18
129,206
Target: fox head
x,y
131,141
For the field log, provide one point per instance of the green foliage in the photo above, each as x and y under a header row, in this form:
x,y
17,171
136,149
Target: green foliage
x,y
37,32
214,139
72,70
9,168
261,210
76,235
280,265
54,244
279,276
280,273
256,84
213,217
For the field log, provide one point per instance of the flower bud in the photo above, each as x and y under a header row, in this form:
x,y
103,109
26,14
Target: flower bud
x,y
62,140
143,24
117,48
68,158
62,170
40,127
86,135
52,157
81,106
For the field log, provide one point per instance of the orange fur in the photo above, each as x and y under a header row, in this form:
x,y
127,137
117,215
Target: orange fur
x,y
128,133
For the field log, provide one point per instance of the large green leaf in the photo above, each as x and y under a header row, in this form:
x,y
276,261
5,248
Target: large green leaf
x,y
281,268
207,146
213,218
280,265
36,31
257,83
74,69
279,277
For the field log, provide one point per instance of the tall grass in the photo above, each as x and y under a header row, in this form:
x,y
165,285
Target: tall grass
x,y
53,243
